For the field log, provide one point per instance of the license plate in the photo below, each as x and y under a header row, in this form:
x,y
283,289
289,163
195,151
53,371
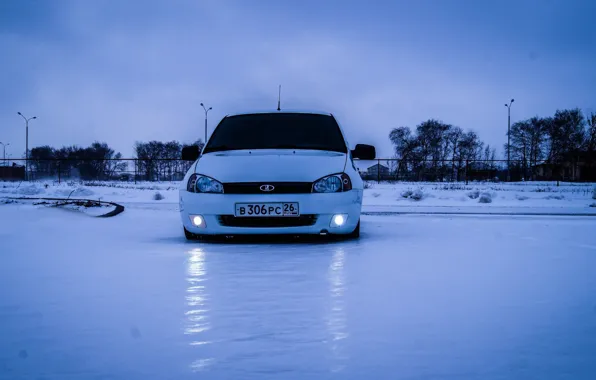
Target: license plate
x,y
267,209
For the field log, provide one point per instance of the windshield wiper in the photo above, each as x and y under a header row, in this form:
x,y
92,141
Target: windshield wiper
x,y
313,147
217,148
286,146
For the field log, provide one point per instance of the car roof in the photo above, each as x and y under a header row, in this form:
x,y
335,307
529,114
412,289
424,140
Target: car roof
x,y
312,112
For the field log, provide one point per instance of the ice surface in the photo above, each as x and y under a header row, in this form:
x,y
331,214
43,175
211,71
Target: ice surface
x,y
417,297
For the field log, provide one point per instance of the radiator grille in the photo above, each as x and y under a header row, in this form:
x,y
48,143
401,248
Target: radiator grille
x,y
278,188
267,221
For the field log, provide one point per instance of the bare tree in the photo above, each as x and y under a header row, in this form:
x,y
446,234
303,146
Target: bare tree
x,y
404,144
591,133
432,146
565,133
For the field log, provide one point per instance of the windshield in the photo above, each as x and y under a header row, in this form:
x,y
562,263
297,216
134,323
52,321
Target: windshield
x,y
277,131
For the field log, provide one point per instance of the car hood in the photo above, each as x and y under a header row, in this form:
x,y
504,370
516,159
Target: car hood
x,y
270,165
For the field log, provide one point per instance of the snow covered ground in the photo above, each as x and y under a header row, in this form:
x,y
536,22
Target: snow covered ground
x,y
524,197
417,297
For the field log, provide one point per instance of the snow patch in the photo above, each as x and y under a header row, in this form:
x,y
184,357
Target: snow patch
x,y
78,192
29,190
520,197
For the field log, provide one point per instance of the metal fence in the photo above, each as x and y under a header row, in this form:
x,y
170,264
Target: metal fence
x,y
134,169
126,169
475,170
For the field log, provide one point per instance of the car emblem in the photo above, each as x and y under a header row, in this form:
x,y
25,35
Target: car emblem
x,y
267,188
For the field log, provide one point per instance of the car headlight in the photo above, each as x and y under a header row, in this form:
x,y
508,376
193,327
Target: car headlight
x,y
334,183
201,184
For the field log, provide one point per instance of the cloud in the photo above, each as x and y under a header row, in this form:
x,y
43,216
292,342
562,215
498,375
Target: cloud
x,y
119,72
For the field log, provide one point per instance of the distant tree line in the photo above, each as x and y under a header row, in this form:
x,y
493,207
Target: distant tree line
x,y
553,140
98,161
153,160
437,151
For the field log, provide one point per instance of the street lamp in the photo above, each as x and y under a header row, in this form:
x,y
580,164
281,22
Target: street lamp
x,y
206,111
4,153
27,142
509,139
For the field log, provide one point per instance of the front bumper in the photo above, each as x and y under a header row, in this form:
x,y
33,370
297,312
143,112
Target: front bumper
x,y
324,206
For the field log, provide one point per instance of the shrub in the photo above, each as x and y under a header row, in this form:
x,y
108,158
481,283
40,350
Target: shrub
x,y
474,194
485,198
157,196
594,193
407,193
451,186
417,195
557,197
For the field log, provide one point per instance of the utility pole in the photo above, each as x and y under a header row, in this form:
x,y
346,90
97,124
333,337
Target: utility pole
x,y
509,139
206,111
4,153
27,143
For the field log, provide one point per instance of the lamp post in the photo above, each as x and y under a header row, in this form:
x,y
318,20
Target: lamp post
x,y
4,153
27,143
206,111
509,139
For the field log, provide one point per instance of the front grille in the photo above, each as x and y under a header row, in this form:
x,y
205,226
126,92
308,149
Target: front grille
x,y
267,221
278,188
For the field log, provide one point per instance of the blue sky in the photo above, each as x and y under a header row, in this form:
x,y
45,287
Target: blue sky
x,y
131,71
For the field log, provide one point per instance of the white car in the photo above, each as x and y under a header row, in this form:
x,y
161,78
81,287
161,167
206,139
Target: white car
x,y
273,173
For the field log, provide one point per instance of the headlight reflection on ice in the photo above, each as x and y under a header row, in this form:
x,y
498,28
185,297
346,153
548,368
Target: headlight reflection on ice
x,y
197,299
337,320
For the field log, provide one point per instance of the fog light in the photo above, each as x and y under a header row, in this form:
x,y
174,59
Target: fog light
x,y
338,220
197,221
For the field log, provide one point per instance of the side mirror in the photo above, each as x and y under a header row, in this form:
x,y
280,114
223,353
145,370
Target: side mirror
x,y
364,152
190,153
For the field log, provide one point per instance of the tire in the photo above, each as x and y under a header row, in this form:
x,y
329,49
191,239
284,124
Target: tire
x,y
190,236
356,233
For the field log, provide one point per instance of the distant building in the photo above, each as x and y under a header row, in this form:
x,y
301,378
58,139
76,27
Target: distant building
x,y
579,166
377,170
14,172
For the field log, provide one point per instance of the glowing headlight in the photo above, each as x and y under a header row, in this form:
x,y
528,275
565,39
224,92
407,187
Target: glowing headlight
x,y
333,184
197,221
338,220
200,184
